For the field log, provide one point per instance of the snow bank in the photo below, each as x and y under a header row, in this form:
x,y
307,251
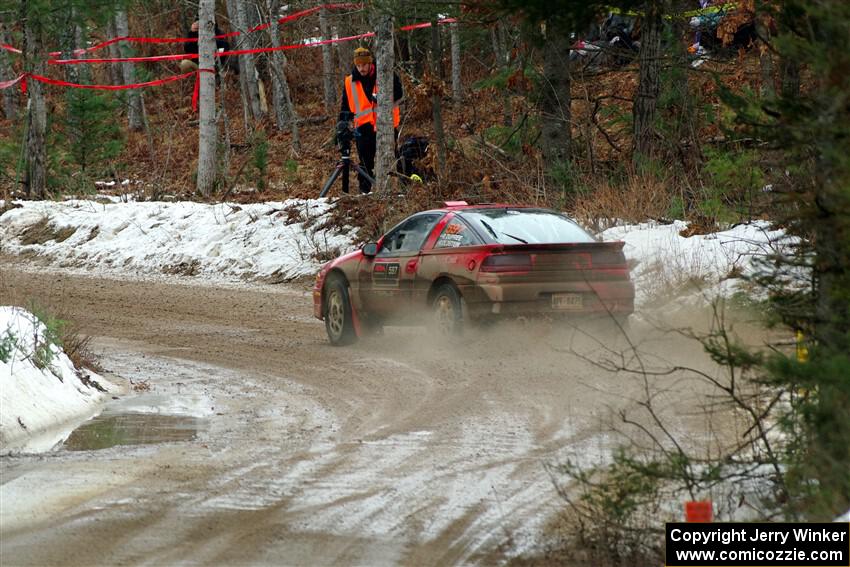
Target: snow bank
x,y
39,387
278,241
664,263
283,240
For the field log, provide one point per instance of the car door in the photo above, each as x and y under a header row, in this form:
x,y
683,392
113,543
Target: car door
x,y
453,251
386,281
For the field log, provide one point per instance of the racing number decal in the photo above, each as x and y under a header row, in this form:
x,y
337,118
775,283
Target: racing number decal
x,y
385,274
453,236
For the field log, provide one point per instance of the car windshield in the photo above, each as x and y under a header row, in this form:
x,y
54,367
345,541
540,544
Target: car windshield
x,y
526,226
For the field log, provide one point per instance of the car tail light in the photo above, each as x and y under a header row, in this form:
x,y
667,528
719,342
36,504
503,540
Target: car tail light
x,y
507,263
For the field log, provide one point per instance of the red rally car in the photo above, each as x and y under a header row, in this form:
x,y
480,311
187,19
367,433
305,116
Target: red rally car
x,y
467,263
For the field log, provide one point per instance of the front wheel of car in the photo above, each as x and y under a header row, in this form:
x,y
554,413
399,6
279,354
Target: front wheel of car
x,y
338,318
447,307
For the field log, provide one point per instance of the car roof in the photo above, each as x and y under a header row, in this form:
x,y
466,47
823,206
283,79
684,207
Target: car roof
x,y
449,206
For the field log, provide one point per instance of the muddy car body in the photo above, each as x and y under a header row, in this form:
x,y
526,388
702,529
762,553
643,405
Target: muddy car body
x,y
466,263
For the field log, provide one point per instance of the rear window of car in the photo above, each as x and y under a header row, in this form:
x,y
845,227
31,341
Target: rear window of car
x,y
526,226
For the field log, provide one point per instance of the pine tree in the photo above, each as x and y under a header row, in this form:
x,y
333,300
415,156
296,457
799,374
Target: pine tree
x,y
44,23
94,138
810,129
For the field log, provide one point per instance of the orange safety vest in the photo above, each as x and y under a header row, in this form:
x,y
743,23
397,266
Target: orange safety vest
x,y
362,108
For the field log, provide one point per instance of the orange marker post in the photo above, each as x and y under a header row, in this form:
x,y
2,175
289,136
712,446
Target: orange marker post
x,y
698,511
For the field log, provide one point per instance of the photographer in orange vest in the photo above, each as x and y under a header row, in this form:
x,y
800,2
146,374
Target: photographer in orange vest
x,y
359,97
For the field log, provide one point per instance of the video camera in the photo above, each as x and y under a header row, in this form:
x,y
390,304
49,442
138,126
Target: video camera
x,y
344,130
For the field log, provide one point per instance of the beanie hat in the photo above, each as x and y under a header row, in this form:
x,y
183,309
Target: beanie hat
x,y
362,55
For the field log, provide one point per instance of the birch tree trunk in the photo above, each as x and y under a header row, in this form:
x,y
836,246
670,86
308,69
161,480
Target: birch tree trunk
x,y
115,72
70,41
247,68
414,56
206,125
226,155
436,100
765,57
7,73
385,61
457,87
503,56
649,85
555,103
237,43
35,175
284,109
345,49
342,67
253,16
135,102
328,75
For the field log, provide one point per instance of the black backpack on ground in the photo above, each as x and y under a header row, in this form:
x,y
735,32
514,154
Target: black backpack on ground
x,y
412,149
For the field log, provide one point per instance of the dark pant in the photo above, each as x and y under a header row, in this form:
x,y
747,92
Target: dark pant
x,y
366,142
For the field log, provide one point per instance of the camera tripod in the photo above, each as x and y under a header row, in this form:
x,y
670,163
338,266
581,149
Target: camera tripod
x,y
344,134
343,166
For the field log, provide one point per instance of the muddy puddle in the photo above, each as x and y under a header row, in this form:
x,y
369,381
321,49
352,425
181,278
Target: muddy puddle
x,y
113,430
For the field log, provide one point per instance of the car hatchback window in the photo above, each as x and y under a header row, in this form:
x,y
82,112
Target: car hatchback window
x,y
409,235
527,226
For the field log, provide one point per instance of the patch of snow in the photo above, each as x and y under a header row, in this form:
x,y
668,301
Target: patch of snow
x,y
39,393
219,241
663,261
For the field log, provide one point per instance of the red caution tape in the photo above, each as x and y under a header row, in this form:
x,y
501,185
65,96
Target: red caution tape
x,y
196,92
107,43
23,81
12,83
283,20
175,57
216,54
307,12
23,78
158,82
123,59
428,24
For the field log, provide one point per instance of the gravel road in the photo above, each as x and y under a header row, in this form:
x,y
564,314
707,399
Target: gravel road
x,y
399,450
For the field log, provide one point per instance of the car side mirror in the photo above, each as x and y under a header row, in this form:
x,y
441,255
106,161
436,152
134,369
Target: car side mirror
x,y
370,249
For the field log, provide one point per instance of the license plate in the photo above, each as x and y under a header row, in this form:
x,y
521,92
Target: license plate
x,y
567,301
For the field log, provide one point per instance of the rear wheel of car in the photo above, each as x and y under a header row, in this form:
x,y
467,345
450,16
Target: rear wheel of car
x,y
447,309
338,319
